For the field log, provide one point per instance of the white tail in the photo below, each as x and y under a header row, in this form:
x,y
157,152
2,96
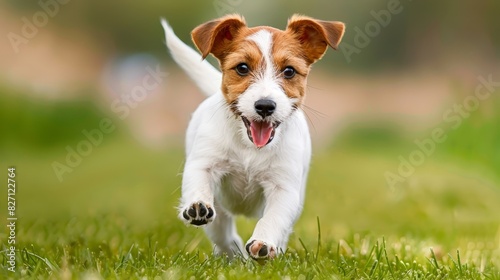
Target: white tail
x,y
206,77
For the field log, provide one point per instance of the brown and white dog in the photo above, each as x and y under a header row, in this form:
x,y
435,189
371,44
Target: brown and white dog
x,y
247,145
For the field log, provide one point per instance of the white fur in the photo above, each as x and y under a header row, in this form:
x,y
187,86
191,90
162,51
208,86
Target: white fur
x,y
192,63
225,170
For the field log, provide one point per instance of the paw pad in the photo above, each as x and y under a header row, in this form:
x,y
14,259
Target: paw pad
x,y
260,250
198,214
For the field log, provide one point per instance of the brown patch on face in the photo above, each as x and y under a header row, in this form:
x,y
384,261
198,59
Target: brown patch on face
x,y
287,52
240,51
226,39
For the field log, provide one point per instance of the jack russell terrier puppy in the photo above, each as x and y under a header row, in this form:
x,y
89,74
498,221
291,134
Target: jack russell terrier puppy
x,y
247,145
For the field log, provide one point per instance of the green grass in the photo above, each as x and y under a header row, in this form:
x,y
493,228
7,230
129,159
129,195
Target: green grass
x,y
114,216
109,248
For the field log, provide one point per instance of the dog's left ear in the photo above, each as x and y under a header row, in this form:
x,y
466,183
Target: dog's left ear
x,y
315,35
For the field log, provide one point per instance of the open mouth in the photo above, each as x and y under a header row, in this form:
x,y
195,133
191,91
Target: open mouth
x,y
260,133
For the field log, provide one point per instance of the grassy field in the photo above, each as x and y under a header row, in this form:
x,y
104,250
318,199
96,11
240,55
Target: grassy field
x,y
114,216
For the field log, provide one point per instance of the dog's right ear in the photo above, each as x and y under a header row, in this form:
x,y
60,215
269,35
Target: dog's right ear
x,y
213,36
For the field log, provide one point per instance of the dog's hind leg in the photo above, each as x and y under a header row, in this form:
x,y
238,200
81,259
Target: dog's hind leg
x,y
222,232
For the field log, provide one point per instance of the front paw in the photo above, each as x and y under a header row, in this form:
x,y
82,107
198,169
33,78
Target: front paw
x,y
198,214
258,249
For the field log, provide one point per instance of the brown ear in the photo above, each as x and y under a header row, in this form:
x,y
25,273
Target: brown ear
x,y
213,36
315,35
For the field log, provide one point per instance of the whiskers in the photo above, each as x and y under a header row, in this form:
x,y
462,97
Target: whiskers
x,y
222,104
308,110
312,113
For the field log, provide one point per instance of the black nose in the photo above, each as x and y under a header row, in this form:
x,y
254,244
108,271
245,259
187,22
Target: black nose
x,y
265,107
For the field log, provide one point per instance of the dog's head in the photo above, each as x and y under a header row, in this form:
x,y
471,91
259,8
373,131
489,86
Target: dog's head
x,y
264,70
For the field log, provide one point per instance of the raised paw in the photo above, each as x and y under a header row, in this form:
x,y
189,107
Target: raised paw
x,y
260,250
198,214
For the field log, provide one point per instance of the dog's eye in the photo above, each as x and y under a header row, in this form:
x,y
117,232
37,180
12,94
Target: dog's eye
x,y
289,72
242,69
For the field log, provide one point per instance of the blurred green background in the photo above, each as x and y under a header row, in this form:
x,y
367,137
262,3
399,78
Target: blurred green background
x,y
366,110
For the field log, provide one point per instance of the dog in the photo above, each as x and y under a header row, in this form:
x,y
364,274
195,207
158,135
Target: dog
x,y
248,146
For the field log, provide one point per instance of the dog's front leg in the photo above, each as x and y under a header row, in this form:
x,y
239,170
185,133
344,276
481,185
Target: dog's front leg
x,y
283,207
197,193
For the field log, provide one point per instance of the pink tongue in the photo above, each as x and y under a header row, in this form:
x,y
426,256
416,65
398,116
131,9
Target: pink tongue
x,y
261,132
